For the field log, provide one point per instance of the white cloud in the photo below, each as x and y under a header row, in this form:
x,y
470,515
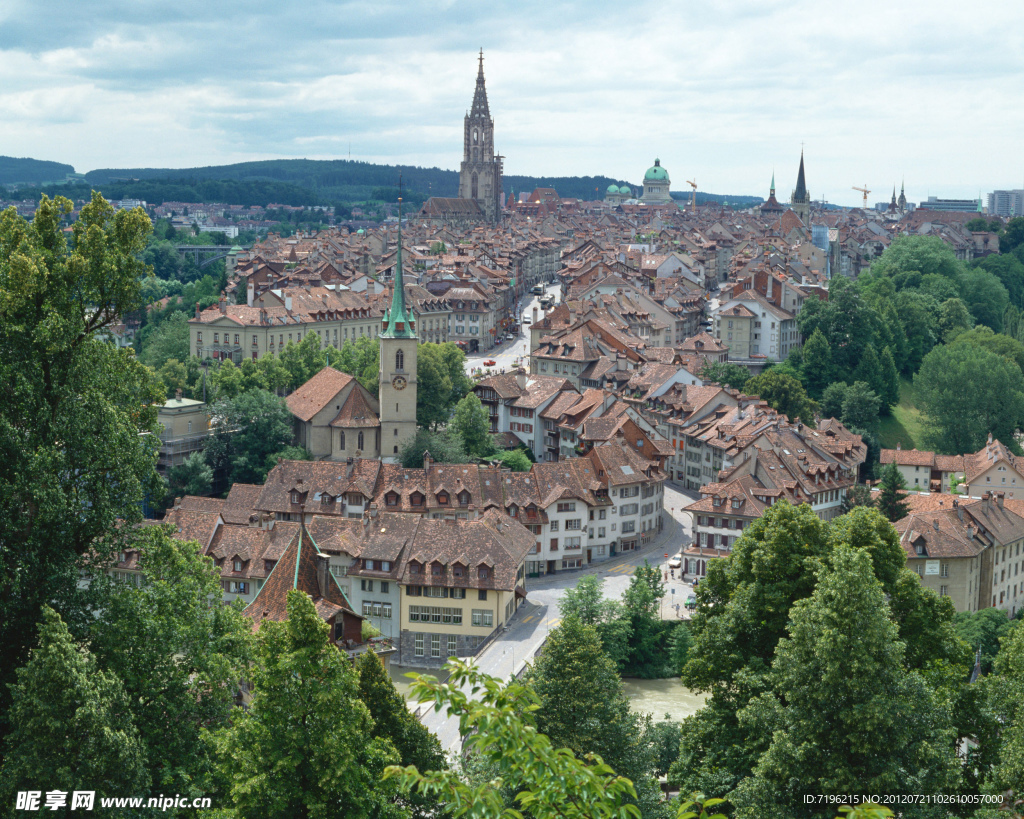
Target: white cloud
x,y
721,92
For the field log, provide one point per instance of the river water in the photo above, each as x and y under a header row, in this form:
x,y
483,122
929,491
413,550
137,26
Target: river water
x,y
661,697
654,697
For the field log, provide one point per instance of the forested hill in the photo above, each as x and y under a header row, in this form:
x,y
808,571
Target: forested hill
x,y
346,180
352,180
15,170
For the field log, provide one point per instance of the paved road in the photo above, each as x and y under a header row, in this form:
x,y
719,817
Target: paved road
x,y
539,613
505,354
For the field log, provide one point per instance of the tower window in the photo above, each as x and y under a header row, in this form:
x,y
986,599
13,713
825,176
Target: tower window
x,y
360,441
400,360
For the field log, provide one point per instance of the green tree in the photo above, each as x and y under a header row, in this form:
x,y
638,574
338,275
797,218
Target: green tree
x,y
890,379
273,374
918,315
303,360
857,495
985,296
169,340
966,392
922,254
586,601
70,723
784,393
250,428
1009,348
641,607
193,477
179,657
860,406
869,370
583,708
892,497
515,459
444,446
75,462
831,405
305,746
227,381
288,453
1010,271
454,359
433,387
817,364
174,376
470,423
725,372
679,643
1008,699
844,712
1013,235
498,727
982,630
394,722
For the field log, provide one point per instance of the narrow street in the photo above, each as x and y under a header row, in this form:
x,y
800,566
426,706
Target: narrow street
x,y
529,628
505,353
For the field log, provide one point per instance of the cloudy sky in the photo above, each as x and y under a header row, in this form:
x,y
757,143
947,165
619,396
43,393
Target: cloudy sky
x,y
723,92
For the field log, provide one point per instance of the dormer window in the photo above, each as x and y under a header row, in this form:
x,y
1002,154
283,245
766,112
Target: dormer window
x,y
325,499
237,565
736,503
513,511
415,568
457,570
463,498
436,569
442,498
416,498
391,499
295,497
483,573
385,565
919,548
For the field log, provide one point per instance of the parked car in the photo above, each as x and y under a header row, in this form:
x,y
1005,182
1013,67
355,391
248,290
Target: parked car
x,y
691,601
526,319
538,290
490,362
676,560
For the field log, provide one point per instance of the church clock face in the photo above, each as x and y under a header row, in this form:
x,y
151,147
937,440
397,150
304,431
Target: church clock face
x,y
398,382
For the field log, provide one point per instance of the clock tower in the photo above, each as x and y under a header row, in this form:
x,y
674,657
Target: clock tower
x,y
397,366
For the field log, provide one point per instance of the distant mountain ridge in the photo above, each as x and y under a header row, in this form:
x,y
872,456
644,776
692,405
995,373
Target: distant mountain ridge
x,y
25,171
325,181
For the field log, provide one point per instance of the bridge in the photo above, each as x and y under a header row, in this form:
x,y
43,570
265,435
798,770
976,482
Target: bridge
x,y
218,251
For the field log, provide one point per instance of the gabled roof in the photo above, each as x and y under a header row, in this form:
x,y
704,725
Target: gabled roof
x,y
317,393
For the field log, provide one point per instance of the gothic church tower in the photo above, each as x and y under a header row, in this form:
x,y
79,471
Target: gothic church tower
x,y
397,392
480,174
801,199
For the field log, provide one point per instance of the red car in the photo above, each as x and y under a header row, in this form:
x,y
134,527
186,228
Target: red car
x,y
490,362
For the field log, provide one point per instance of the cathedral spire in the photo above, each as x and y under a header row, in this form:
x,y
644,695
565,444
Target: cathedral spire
x,y
773,182
480,108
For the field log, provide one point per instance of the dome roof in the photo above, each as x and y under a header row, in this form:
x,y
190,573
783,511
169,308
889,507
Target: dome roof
x,y
656,172
612,189
626,190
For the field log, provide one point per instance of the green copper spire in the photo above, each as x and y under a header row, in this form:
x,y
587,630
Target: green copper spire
x,y
397,321
773,181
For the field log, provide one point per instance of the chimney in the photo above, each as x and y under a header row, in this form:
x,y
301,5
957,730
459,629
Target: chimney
x,y
935,523
323,573
223,304
250,291
970,531
521,378
177,395
999,499
535,313
897,446
987,497
288,303
427,462
197,309
771,280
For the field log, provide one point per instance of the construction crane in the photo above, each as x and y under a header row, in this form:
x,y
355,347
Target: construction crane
x,y
693,196
865,191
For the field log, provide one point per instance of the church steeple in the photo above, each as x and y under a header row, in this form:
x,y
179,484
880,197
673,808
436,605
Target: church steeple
x,y
480,108
398,323
773,184
800,194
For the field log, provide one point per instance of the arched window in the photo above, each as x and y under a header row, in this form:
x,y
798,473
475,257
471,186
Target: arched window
x,y
341,439
360,447
400,360
474,193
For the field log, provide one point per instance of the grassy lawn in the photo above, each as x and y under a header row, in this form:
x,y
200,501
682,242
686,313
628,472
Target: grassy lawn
x,y
904,426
